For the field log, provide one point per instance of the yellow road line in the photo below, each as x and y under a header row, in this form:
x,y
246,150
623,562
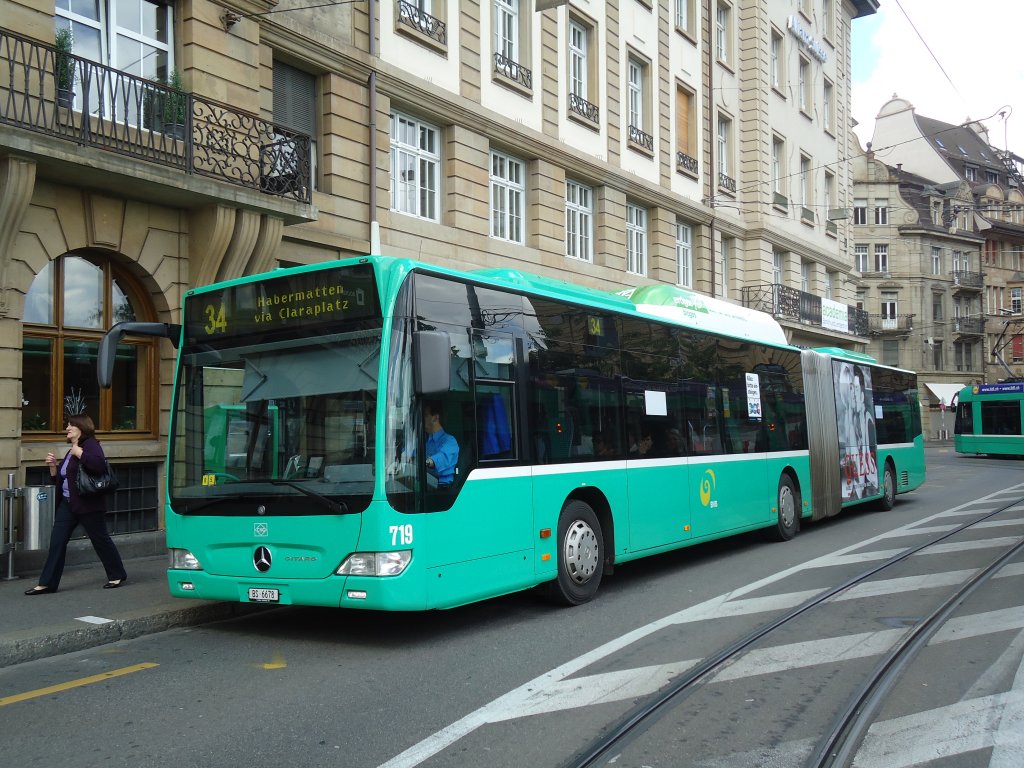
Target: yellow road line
x,y
74,684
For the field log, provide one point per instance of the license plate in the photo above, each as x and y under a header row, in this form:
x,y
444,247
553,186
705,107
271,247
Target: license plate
x,y
260,595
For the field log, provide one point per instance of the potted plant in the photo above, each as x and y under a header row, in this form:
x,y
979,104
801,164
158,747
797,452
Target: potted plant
x,y
174,106
64,67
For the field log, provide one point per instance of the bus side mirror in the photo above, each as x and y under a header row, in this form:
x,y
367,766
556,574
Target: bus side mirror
x,y
108,344
431,359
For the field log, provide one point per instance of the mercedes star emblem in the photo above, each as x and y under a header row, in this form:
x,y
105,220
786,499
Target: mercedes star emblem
x,y
261,559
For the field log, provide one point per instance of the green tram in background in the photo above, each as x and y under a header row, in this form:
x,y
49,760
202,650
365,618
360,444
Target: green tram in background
x,y
990,419
592,429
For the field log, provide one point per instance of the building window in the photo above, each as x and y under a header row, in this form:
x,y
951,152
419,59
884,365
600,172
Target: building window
x,y
937,212
881,257
828,107
777,53
806,184
778,266
295,107
891,352
937,306
637,102
805,86
936,260
686,16
723,33
971,174
724,145
415,167
508,48
828,21
830,281
508,191
860,211
805,276
579,221
636,239
881,212
581,75
686,140
831,201
991,177
68,308
1015,301
725,257
778,165
888,307
860,257
937,354
684,254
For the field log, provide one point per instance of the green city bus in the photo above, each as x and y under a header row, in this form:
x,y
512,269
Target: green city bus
x,y
587,429
990,419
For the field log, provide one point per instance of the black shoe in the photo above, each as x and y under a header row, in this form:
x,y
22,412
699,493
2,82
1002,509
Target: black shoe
x,y
115,584
40,591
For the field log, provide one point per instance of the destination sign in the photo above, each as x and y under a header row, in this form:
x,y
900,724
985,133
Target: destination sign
x,y
315,301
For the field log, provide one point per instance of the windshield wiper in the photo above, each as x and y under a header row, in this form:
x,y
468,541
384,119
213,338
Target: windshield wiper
x,y
338,507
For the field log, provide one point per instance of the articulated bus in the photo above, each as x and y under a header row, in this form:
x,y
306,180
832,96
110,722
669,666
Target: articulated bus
x,y
585,430
990,419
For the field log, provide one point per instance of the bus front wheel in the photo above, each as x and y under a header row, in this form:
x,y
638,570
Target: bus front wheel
x,y
580,554
788,519
888,500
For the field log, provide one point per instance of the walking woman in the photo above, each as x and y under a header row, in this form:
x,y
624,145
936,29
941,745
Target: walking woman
x,y
74,509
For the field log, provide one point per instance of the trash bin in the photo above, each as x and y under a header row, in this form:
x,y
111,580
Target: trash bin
x,y
37,508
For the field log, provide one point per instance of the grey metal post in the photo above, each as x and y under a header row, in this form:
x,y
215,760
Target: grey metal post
x,y
8,495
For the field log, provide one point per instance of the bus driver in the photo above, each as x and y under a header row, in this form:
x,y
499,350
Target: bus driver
x,y
442,448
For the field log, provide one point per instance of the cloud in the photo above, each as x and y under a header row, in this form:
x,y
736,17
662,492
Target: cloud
x,y
979,47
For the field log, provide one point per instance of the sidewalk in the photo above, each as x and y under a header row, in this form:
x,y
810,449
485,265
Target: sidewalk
x,y
81,614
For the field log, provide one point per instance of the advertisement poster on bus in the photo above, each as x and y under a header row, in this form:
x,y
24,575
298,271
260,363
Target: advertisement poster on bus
x,y
858,444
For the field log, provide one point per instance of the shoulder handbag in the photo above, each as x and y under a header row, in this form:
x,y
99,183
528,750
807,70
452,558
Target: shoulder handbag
x,y
94,485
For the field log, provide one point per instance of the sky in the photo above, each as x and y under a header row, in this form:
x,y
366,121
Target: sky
x,y
978,45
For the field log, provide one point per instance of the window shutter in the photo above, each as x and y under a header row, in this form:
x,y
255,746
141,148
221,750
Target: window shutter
x,y
682,121
294,98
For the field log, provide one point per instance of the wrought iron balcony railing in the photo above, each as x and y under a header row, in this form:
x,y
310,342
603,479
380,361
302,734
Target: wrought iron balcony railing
x,y
120,112
641,138
422,22
964,279
891,324
513,70
969,326
584,108
727,182
686,163
787,303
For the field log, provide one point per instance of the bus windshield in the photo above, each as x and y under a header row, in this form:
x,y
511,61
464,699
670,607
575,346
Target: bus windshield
x,y
276,423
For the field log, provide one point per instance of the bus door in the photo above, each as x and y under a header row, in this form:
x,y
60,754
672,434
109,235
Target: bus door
x,y
657,471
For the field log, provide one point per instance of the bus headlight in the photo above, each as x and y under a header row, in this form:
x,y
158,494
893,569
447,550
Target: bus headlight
x,y
375,563
183,560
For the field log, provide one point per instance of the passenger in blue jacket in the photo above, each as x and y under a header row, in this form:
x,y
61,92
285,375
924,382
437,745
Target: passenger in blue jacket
x,y
74,509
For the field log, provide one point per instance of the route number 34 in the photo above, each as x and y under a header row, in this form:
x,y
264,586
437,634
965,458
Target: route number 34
x,y
401,534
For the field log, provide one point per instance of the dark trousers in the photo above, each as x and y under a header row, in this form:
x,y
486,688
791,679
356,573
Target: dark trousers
x,y
64,524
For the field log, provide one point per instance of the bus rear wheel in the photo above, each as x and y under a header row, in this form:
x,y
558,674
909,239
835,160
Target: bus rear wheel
x,y
787,522
580,555
888,500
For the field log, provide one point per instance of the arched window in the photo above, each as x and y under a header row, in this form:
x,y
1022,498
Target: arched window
x,y
70,305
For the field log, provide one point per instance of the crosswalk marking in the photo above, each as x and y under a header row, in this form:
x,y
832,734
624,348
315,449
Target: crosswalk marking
x,y
556,689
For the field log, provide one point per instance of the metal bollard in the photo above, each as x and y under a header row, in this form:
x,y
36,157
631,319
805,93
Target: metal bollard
x,y
7,497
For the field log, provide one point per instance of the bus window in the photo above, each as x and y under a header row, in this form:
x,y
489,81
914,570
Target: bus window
x,y
964,424
1000,418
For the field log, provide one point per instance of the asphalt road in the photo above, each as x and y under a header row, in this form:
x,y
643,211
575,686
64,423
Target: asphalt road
x,y
508,682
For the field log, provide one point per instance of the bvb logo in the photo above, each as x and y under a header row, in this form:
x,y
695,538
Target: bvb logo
x,y
707,486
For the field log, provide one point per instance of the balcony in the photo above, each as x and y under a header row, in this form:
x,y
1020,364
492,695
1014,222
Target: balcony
x,y
887,324
180,135
423,23
641,139
727,183
686,164
785,303
969,326
513,71
968,281
589,112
